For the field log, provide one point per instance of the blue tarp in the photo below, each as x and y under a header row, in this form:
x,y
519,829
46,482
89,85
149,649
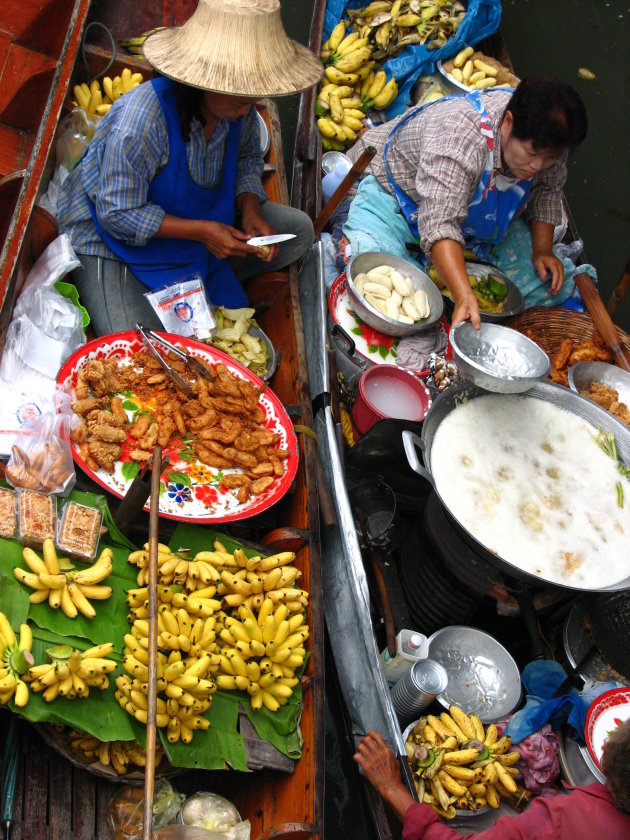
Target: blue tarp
x,y
480,21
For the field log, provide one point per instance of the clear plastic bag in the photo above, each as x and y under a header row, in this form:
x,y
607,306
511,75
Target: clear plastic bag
x,y
73,137
41,458
125,811
183,308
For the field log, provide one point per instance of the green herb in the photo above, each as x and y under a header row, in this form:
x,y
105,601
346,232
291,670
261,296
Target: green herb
x,y
607,443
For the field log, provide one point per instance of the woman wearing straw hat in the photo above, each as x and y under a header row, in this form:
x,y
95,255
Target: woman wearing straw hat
x,y
171,182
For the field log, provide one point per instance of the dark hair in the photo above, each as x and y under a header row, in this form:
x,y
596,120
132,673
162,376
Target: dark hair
x,y
188,101
549,113
616,765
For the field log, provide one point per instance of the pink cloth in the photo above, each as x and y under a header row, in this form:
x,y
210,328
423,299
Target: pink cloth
x,y
585,813
539,761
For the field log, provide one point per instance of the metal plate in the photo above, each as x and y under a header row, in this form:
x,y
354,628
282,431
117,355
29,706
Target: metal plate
x,y
265,137
583,374
191,492
577,642
575,768
483,679
513,302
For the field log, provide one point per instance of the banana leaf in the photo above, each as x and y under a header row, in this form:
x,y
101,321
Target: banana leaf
x,y
100,714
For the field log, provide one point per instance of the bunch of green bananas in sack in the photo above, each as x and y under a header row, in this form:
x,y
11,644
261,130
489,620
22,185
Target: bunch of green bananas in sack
x,y
95,100
15,660
134,45
392,25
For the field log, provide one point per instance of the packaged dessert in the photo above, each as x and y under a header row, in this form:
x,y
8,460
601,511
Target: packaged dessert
x,y
37,517
78,531
8,513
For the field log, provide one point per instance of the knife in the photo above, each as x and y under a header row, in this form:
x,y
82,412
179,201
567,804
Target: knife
x,y
257,241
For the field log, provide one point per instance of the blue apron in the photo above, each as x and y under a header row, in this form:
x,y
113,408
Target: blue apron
x,y
495,202
162,262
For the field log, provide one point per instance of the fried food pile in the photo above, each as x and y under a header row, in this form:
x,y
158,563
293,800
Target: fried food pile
x,y
571,352
608,398
221,424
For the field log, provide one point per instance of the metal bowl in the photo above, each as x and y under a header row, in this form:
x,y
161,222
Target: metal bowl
x,y
450,82
363,263
513,301
498,358
483,679
583,374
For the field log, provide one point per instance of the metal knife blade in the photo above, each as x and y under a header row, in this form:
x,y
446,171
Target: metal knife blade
x,y
257,241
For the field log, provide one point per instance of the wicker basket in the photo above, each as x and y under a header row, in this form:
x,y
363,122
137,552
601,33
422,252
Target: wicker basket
x,y
548,326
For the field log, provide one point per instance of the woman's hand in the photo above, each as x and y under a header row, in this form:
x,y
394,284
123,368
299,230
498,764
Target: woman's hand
x,y
381,769
225,241
466,308
255,224
548,264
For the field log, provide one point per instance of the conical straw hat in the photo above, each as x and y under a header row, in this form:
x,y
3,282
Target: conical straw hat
x,y
237,47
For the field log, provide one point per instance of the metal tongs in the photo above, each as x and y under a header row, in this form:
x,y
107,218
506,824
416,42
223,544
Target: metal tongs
x,y
178,379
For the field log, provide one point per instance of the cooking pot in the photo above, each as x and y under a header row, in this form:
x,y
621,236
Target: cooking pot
x,y
462,392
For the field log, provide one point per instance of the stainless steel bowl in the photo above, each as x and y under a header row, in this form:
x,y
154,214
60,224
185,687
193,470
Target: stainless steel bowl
x,y
450,82
513,302
483,679
498,358
365,262
583,374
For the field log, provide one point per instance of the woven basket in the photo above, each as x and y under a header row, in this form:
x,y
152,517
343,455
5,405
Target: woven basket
x,y
548,326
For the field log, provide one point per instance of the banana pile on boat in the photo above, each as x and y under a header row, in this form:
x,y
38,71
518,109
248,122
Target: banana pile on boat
x,y
96,100
116,754
392,26
237,623
56,580
350,87
459,765
71,672
15,660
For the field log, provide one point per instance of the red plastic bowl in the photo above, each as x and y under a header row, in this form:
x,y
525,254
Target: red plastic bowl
x,y
387,391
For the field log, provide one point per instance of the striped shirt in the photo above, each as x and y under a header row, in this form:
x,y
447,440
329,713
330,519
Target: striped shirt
x,y
129,146
438,157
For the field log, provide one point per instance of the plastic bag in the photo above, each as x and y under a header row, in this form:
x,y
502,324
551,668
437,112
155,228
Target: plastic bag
x,y
46,327
482,19
73,137
125,811
183,309
40,457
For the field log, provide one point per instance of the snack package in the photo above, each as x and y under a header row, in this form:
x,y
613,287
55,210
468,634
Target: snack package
x,y
79,530
125,811
37,518
183,308
8,513
40,457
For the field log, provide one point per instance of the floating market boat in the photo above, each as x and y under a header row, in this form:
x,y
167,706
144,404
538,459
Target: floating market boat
x,y
57,792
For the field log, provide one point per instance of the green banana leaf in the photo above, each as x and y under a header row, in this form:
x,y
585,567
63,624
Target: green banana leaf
x,y
100,714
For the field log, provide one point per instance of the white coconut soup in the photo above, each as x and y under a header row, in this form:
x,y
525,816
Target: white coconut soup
x,y
529,481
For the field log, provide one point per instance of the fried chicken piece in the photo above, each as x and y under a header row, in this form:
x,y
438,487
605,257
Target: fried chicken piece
x,y
602,394
79,433
236,480
83,407
243,459
104,453
266,468
261,484
559,376
193,408
180,422
82,390
101,417
140,455
206,420
243,494
141,426
111,434
212,459
166,429
149,439
216,433
118,411
87,458
561,356
278,468
249,440
621,411
588,351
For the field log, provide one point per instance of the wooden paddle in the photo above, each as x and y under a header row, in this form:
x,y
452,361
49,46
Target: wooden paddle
x,y
335,199
602,319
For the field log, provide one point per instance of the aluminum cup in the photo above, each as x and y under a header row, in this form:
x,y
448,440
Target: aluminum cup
x,y
418,688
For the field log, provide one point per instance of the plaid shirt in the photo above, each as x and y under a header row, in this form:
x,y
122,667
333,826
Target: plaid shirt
x,y
129,146
438,157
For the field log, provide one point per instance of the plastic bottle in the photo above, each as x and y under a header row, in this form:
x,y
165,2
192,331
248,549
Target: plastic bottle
x,y
410,647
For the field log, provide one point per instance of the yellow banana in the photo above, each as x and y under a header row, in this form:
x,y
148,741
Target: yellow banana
x,y
80,601
337,77
80,96
346,43
337,114
39,596
67,604
378,83
35,563
386,96
337,35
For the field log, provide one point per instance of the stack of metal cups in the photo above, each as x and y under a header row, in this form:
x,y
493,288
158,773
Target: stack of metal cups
x,y
418,689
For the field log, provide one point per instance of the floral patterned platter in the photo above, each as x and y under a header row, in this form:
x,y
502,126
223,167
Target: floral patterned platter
x,y
189,490
370,344
604,715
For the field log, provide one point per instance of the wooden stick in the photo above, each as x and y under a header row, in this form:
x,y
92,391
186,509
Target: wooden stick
x,y
149,770
602,319
619,291
335,199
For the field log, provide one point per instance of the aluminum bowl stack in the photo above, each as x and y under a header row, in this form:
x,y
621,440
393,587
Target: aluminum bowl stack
x,y
362,264
497,358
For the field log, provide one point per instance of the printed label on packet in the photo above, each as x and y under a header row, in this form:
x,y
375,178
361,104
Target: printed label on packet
x,y
183,308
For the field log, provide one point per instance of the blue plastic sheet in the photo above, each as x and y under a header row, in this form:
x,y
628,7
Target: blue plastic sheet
x,y
480,21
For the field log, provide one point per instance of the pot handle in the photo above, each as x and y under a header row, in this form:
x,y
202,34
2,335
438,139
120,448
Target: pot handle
x,y
411,442
339,330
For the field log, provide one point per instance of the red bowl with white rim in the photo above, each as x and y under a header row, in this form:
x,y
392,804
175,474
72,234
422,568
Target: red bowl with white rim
x,y
387,391
604,715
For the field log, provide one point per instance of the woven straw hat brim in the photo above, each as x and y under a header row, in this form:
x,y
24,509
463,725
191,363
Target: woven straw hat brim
x,y
238,47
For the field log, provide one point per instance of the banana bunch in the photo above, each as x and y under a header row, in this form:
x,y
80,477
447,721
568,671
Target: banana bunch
x,y
65,587
378,93
15,660
459,765
117,754
175,567
134,45
71,673
95,100
392,25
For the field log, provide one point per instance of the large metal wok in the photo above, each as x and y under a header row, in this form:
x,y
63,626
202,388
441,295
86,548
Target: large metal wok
x,y
460,393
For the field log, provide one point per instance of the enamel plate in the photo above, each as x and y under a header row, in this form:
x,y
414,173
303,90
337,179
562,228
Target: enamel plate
x,y
605,714
189,490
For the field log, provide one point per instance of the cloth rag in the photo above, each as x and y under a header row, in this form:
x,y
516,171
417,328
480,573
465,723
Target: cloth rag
x,y
413,351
